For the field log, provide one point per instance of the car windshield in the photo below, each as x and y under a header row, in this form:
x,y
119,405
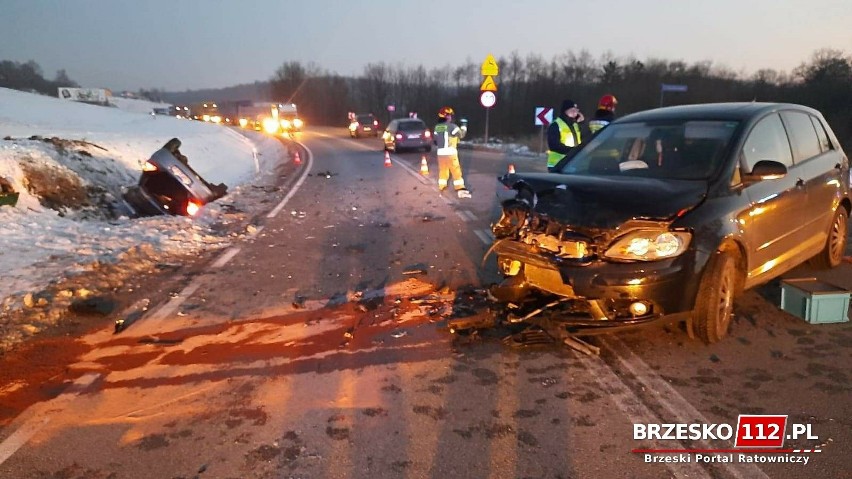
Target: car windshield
x,y
683,150
365,119
411,125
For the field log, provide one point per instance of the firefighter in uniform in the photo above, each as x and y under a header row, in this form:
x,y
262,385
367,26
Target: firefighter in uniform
x,y
446,136
564,133
604,115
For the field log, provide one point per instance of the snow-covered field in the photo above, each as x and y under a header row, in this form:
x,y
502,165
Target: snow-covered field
x,y
102,149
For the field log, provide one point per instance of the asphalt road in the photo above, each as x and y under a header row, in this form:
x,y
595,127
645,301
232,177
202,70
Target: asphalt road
x,y
315,349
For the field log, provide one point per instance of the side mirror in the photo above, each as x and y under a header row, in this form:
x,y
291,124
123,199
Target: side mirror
x,y
767,170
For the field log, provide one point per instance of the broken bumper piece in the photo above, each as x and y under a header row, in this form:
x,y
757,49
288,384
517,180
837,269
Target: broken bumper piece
x,y
594,295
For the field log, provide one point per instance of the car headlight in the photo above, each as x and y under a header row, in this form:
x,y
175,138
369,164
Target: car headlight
x,y
285,124
649,245
270,125
297,123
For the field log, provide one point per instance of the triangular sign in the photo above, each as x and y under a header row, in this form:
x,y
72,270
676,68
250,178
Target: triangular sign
x,y
489,66
488,84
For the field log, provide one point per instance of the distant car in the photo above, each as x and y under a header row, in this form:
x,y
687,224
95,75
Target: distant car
x,y
407,134
364,125
667,214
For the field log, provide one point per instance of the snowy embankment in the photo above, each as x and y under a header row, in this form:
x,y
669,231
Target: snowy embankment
x,y
69,162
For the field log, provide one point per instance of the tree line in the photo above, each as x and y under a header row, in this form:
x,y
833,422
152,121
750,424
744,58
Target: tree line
x,y
28,76
823,82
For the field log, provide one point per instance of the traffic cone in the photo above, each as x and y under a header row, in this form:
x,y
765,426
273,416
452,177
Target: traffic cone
x,y
387,160
297,159
511,169
424,167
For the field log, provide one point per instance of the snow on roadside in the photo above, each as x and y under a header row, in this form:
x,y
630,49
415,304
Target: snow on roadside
x,y
102,148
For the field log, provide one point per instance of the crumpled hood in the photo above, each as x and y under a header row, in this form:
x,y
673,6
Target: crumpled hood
x,y
606,201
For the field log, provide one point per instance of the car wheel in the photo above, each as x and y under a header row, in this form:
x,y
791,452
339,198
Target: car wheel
x,y
428,149
835,243
714,305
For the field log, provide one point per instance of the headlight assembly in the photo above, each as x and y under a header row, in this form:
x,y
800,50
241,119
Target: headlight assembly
x,y
649,245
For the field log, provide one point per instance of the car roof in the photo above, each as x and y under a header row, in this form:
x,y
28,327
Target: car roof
x,y
713,111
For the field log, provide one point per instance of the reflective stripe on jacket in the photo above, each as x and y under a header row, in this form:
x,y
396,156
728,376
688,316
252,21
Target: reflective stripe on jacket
x,y
568,136
597,125
446,137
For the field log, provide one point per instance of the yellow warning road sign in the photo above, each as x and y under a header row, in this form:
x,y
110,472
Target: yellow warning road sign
x,y
488,84
489,66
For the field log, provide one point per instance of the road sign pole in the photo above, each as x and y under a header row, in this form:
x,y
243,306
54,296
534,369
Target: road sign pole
x,y
541,140
486,125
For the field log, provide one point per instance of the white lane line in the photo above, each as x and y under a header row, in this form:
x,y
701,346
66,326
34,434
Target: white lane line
x,y
29,429
463,217
416,174
483,236
470,215
637,413
256,231
295,188
223,260
169,308
680,410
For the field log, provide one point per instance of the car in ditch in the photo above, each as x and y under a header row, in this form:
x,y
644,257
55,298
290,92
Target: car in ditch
x,y
169,186
667,214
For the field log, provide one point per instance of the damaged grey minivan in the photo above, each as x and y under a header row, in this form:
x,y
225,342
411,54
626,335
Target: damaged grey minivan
x,y
666,215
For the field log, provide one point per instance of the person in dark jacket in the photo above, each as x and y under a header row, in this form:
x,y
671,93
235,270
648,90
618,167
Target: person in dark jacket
x,y
604,115
564,134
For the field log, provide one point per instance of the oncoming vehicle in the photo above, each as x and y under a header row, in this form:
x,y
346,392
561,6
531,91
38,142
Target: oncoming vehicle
x,y
407,133
364,125
667,214
169,186
288,118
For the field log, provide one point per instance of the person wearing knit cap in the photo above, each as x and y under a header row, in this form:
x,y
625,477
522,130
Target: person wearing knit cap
x,y
563,135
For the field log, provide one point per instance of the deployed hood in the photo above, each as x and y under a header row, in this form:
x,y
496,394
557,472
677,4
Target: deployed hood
x,y
605,201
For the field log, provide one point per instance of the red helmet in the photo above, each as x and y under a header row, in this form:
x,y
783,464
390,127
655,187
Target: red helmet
x,y
607,102
445,112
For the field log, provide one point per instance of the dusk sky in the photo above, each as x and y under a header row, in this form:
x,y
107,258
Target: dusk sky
x,y
192,44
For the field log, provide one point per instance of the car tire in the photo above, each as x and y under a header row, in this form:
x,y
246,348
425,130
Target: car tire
x,y
714,305
835,244
427,149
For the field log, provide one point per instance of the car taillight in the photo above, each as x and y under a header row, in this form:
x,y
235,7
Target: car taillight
x,y
427,133
148,166
193,207
399,136
375,123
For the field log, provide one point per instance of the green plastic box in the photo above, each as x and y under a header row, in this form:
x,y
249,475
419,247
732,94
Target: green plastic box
x,y
815,301
10,199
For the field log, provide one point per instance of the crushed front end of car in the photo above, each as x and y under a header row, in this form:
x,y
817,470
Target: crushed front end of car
x,y
599,256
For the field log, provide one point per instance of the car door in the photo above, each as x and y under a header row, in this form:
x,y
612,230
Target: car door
x,y
821,168
774,219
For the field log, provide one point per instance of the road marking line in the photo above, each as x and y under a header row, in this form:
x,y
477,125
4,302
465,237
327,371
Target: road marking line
x,y
295,188
223,260
470,215
676,405
463,217
483,236
29,429
169,308
637,413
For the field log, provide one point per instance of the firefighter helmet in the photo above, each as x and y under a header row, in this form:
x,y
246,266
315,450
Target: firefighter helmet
x,y
445,112
607,102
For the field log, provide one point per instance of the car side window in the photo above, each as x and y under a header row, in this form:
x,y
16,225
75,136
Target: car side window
x,y
766,141
803,137
824,142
